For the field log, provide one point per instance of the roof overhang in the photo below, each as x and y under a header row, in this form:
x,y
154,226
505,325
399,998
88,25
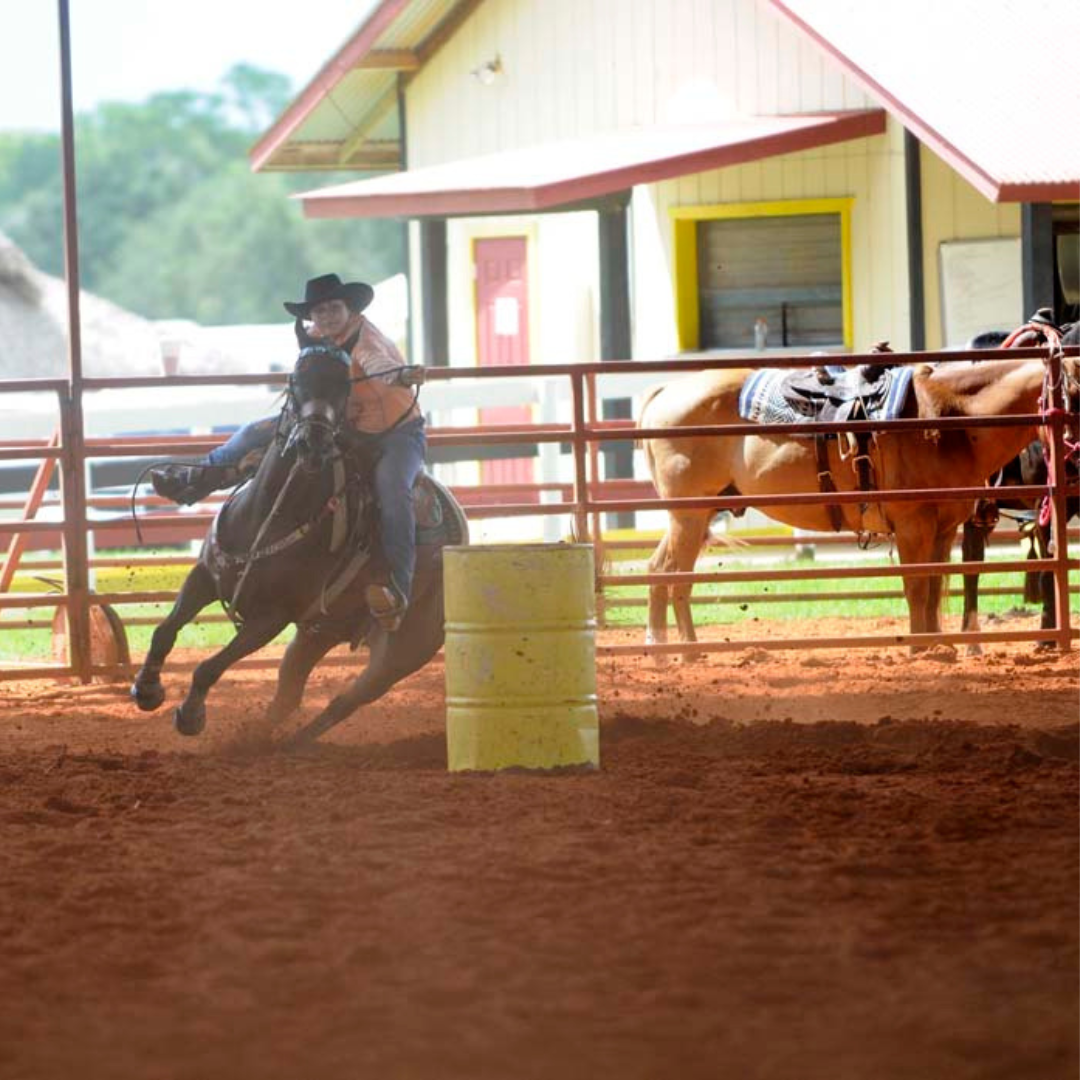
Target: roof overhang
x,y
564,174
349,116
949,73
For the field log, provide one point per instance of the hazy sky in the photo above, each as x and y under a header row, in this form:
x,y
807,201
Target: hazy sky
x,y
126,50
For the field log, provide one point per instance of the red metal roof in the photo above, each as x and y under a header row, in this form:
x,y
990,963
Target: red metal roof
x,y
556,174
991,87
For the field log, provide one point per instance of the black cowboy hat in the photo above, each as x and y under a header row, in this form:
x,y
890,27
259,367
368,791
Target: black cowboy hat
x,y
330,287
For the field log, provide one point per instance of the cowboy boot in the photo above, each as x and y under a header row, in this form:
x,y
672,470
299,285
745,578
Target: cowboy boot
x,y
187,484
386,605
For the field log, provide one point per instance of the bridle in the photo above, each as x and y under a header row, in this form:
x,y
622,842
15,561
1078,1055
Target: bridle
x,y
314,420
1058,398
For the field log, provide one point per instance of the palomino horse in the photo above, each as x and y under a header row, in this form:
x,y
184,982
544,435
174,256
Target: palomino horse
x,y
774,464
292,547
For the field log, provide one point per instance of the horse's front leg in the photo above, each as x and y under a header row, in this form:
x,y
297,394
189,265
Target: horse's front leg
x,y
940,550
972,549
197,591
915,543
190,716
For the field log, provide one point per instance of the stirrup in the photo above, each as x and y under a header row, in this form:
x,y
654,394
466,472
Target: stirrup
x,y
386,605
187,484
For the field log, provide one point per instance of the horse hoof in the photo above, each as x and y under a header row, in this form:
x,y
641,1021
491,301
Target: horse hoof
x,y
147,696
189,723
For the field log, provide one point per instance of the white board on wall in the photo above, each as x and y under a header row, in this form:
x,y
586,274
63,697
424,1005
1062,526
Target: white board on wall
x,y
981,288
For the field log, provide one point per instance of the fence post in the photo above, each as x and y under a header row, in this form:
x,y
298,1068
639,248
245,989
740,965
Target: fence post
x,y
73,444
593,414
581,475
1056,407
549,455
76,557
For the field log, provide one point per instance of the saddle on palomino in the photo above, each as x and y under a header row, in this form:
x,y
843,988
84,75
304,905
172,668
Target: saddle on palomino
x,y
830,394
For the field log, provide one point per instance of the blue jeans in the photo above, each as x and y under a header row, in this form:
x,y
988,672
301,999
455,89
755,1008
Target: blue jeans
x,y
401,461
250,441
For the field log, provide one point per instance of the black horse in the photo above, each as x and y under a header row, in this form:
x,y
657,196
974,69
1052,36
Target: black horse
x,y
297,545
1028,468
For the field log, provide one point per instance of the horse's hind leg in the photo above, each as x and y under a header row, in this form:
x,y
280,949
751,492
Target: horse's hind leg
x,y
305,650
656,629
687,534
392,657
190,715
196,592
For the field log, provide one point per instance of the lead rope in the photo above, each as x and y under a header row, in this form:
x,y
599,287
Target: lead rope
x,y
1048,410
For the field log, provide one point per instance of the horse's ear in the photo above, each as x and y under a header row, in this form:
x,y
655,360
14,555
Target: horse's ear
x,y
303,338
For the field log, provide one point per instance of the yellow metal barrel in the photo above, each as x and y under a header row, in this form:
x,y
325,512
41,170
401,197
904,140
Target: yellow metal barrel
x,y
520,656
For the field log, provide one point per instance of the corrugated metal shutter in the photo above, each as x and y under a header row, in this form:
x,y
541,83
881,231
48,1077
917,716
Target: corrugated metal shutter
x,y
786,270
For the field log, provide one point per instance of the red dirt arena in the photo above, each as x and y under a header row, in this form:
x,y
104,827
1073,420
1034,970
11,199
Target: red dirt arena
x,y
790,866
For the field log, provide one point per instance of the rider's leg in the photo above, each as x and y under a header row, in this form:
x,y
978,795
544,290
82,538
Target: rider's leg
x,y
223,466
400,463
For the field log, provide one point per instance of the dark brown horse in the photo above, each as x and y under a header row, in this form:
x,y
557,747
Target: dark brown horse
x,y
1028,468
773,464
295,546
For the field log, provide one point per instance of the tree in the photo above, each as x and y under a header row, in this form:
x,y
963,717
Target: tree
x,y
172,224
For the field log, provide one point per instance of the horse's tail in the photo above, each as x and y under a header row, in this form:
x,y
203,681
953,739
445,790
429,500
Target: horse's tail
x,y
642,444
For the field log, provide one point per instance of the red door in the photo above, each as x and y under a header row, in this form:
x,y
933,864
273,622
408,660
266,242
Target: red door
x,y
502,319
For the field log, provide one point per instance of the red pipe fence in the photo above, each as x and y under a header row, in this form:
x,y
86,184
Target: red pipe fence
x,y
584,499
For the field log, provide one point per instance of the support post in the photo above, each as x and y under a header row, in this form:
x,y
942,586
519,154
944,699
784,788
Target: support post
x,y
73,458
1037,256
916,279
615,331
435,351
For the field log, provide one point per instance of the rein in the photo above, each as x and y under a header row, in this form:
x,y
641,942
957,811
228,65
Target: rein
x,y
415,398
286,438
256,553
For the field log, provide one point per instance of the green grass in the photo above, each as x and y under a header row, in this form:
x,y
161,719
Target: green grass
x,y
26,633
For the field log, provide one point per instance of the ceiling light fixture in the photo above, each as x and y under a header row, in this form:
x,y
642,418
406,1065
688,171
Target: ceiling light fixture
x,y
489,71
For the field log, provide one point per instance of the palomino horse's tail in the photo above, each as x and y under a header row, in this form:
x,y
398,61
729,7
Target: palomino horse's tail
x,y
649,395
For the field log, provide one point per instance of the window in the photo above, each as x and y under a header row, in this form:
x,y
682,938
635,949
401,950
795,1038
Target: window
x,y
784,263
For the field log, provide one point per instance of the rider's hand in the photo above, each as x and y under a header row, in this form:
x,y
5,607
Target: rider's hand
x,y
413,375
